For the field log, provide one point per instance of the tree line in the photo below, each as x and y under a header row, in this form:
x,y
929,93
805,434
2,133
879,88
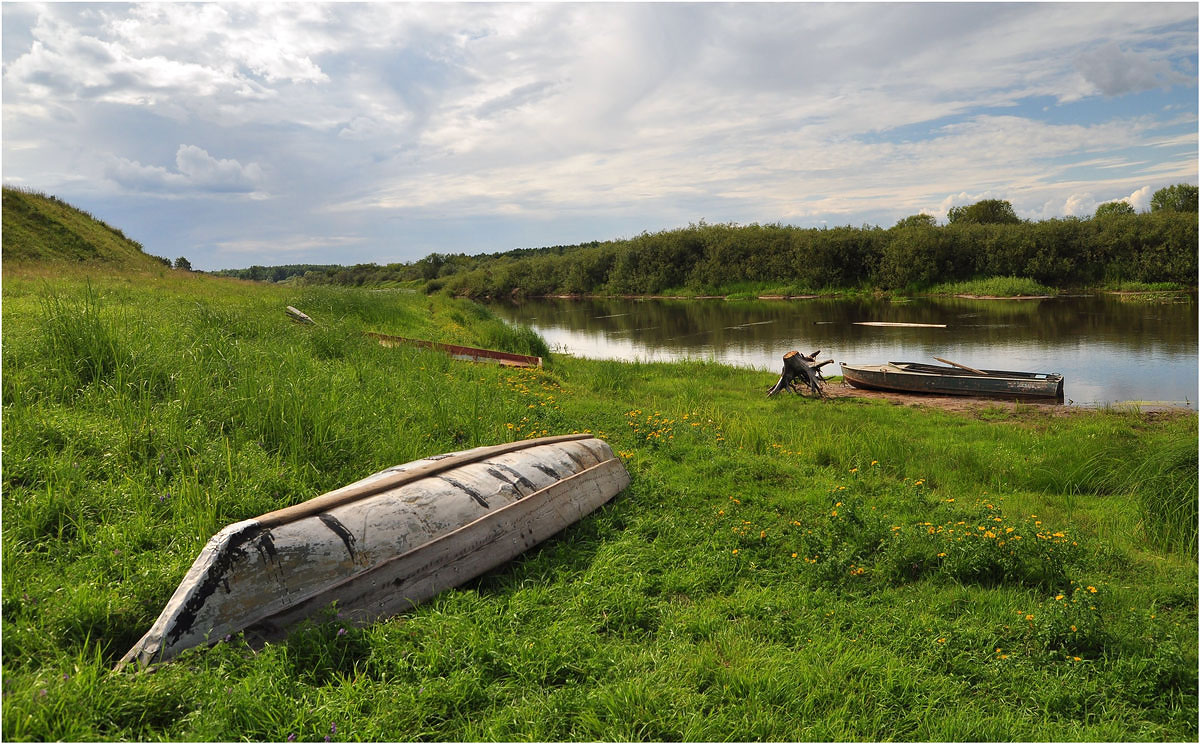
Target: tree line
x,y
273,273
984,239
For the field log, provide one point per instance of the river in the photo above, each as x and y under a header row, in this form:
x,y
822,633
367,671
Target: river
x,y
1109,348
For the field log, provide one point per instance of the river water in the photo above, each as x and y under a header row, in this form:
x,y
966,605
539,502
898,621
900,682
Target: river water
x,y
1109,348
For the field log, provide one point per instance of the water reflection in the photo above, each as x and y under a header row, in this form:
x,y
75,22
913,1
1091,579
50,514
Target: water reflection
x,y
1108,349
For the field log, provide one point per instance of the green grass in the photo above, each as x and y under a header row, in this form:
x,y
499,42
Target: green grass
x,y
38,227
996,286
1131,286
782,569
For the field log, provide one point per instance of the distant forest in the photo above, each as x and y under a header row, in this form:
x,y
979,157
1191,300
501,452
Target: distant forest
x,y
985,239
277,273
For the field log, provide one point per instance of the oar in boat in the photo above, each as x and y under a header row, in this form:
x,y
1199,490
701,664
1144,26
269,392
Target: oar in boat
x,y
961,366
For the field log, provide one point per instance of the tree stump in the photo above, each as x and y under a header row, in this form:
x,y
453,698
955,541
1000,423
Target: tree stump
x,y
800,370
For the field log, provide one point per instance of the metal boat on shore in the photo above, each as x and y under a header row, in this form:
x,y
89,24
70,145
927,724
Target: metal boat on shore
x,y
914,377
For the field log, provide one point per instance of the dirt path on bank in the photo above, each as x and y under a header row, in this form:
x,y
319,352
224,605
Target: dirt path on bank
x,y
975,406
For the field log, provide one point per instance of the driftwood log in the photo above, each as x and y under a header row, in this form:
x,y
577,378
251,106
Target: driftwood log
x,y
299,316
799,370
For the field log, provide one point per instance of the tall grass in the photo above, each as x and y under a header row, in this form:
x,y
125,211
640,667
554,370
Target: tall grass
x,y
779,568
996,286
1164,484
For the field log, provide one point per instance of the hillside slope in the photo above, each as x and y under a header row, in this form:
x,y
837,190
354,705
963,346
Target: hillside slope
x,y
39,228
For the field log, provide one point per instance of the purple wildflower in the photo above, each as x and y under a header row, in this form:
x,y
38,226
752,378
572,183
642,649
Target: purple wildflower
x,y
333,728
291,737
341,631
42,692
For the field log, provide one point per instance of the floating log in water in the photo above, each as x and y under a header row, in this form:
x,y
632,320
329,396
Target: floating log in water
x,y
885,324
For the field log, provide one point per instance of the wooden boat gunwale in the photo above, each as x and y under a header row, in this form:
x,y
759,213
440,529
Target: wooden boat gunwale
x,y
349,494
469,353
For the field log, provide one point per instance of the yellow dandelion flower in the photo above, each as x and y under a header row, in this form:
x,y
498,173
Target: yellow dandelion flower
x,y
1027,617
735,551
941,640
1058,597
1092,589
1074,629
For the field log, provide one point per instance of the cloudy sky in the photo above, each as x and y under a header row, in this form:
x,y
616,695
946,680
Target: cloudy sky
x,y
240,134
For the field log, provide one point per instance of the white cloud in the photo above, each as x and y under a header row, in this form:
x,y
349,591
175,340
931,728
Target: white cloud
x,y
1114,71
1140,199
536,112
288,244
195,171
1079,205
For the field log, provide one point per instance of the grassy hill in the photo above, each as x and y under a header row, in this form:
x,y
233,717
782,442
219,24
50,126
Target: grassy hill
x,y
41,228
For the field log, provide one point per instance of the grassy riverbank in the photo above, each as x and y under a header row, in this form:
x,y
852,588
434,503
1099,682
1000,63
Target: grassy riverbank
x,y
782,569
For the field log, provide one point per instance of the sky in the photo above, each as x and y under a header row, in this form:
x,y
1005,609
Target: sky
x,y
236,134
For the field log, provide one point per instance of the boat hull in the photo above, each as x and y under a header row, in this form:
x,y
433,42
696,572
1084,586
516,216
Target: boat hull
x,y
462,353
912,377
386,543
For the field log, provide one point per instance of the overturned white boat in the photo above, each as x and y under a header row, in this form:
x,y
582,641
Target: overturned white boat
x,y
381,545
